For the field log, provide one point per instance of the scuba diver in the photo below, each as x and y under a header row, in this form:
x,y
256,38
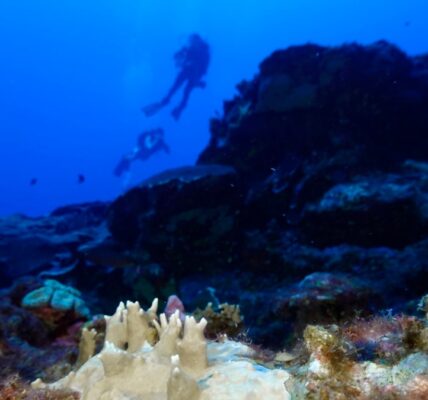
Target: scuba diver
x,y
193,61
148,143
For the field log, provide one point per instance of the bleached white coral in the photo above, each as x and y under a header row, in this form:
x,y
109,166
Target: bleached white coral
x,y
178,365
86,346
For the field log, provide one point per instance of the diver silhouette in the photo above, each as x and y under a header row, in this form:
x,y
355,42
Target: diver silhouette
x,y
148,143
193,61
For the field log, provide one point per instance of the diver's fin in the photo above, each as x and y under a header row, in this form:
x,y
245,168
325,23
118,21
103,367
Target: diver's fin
x,y
123,166
151,109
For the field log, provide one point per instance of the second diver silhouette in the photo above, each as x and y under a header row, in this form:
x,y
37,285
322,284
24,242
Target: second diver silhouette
x,y
149,143
193,61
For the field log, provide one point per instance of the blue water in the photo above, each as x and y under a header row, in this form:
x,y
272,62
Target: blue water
x,y
75,73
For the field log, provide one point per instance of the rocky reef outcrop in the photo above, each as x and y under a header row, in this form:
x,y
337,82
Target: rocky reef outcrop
x,y
342,110
34,245
179,218
323,204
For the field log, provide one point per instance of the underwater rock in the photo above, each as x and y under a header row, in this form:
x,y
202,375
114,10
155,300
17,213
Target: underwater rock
x,y
184,218
30,245
309,103
104,251
380,277
386,210
324,298
80,216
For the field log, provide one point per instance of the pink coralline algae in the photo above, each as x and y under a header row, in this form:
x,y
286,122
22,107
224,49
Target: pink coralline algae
x,y
173,304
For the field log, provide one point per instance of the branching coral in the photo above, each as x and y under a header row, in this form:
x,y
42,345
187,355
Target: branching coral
x,y
151,357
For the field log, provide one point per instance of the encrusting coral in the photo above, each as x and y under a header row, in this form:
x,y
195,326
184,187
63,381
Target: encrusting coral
x,y
150,357
56,304
57,296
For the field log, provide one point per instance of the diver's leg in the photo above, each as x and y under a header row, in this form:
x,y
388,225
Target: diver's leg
x,y
186,94
181,78
201,84
152,109
123,166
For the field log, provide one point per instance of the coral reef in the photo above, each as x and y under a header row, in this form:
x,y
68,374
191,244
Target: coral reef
x,y
295,201
145,355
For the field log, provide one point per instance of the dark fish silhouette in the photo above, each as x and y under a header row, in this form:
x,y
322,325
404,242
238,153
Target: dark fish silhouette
x,y
81,178
33,181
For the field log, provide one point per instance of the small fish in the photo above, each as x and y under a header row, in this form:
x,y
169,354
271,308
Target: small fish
x,y
81,179
33,181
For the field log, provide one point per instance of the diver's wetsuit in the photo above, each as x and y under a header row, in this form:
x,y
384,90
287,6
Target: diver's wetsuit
x,y
193,61
149,143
